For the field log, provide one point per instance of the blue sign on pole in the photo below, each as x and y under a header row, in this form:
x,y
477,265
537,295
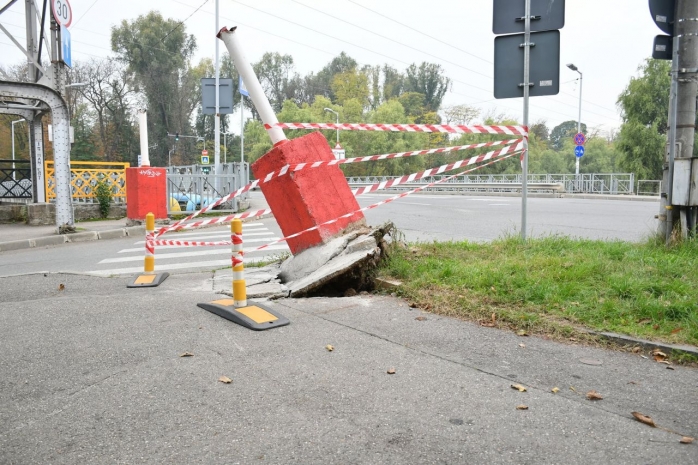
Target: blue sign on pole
x,y
65,47
579,151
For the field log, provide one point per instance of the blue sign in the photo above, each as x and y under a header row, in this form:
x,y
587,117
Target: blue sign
x,y
65,47
204,159
579,151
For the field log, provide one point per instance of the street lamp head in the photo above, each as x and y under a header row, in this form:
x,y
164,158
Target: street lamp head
x,y
77,84
572,67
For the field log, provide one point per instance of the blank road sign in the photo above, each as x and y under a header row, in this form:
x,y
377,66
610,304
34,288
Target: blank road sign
x,y
544,71
208,96
506,13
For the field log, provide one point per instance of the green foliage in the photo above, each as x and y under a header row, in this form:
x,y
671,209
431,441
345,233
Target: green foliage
x,y
563,132
644,104
104,196
638,289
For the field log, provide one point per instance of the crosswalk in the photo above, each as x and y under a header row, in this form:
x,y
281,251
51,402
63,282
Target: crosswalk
x,y
169,258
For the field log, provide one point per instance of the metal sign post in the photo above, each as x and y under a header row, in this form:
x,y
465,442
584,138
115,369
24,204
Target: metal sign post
x,y
524,165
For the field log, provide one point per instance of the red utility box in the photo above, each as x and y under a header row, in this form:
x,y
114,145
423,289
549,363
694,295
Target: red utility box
x,y
146,192
309,197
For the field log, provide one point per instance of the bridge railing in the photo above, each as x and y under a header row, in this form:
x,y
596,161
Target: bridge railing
x,y
592,183
84,176
15,180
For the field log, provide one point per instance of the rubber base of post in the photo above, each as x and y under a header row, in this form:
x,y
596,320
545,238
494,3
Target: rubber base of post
x,y
254,316
148,280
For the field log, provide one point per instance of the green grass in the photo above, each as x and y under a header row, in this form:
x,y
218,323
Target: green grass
x,y
556,285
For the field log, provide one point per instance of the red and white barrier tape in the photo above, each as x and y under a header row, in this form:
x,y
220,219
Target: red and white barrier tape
x,y
383,202
444,128
438,170
348,215
293,168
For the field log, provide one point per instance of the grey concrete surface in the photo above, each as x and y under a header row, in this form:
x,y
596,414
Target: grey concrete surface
x,y
93,374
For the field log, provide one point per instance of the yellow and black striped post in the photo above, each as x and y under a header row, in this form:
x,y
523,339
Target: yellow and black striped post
x,y
149,278
253,316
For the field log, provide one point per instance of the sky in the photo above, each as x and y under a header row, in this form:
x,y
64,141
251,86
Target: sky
x,y
606,39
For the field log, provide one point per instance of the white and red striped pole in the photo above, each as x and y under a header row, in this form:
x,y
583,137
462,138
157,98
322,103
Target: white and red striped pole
x,y
239,287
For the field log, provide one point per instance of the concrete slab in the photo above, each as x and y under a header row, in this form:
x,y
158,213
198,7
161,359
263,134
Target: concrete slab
x,y
82,236
14,245
111,234
48,241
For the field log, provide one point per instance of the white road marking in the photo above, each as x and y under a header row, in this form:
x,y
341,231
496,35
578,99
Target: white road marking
x,y
196,253
174,266
207,239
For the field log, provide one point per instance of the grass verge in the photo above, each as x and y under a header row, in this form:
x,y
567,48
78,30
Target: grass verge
x,y
557,285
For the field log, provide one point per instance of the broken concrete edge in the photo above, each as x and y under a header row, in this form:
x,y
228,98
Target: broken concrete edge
x,y
676,349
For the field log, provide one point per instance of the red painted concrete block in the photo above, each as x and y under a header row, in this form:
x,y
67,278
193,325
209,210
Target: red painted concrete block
x,y
308,197
146,192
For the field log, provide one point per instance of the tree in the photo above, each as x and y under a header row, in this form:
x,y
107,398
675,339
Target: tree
x,y
460,114
428,79
157,52
564,131
273,72
644,104
350,85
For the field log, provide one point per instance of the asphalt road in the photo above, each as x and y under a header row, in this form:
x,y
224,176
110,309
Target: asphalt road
x,y
427,217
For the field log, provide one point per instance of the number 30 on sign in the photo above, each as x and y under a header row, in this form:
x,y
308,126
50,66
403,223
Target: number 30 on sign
x,y
62,12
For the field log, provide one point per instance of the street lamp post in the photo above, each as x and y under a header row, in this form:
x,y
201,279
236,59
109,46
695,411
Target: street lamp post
x,y
225,146
14,177
579,119
337,115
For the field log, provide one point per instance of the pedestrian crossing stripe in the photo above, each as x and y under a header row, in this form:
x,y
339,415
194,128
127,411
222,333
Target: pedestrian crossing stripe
x,y
194,253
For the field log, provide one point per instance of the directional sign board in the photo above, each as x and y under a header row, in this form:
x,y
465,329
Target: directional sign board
x,y
208,96
508,15
66,47
579,151
544,68
62,12
579,139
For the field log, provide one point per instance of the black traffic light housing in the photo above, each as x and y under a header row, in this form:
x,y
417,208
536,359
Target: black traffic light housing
x,y
176,136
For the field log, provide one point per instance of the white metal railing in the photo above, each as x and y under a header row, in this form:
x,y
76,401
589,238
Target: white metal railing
x,y
192,188
592,183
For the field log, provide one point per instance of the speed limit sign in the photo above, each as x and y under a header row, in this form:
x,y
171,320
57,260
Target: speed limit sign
x,y
62,12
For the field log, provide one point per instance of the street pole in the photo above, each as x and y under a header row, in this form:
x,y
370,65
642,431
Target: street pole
x,y
14,177
217,123
527,64
242,140
687,32
337,115
579,118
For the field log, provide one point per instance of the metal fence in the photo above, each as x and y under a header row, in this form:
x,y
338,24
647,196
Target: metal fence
x,y
612,183
84,177
647,187
189,188
15,179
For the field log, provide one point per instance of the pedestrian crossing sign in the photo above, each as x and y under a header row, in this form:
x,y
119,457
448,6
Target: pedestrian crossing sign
x,y
204,160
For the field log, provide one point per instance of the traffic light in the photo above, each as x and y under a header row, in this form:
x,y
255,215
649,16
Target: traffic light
x,y
176,136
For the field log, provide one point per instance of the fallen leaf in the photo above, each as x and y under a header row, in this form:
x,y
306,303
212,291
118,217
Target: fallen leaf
x,y
186,354
329,348
391,371
593,395
636,350
655,327
676,330
494,317
632,382
686,440
519,387
522,407
644,419
644,356
644,321
658,353
669,368
666,362
493,289
61,287
658,358
421,318
225,379
521,332
573,339
522,345
573,389
555,390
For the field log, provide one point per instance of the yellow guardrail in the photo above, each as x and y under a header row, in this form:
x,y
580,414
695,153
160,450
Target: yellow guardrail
x,y
84,176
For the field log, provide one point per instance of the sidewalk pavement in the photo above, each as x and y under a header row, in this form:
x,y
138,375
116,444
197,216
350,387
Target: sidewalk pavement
x,y
93,372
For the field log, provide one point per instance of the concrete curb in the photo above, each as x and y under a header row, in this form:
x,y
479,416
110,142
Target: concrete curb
x,y
648,345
